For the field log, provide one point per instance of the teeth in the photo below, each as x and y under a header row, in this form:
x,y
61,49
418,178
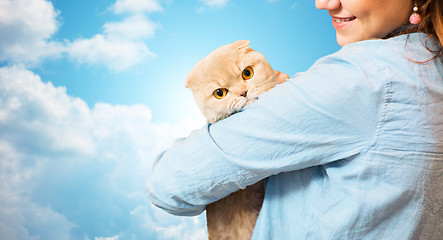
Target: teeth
x,y
340,20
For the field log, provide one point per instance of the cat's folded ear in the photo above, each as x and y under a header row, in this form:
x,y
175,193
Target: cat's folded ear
x,y
241,45
191,79
188,83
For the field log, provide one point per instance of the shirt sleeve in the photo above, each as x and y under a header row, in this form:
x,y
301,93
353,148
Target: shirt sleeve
x,y
327,113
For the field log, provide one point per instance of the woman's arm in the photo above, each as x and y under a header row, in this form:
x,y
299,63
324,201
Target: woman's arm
x,y
328,113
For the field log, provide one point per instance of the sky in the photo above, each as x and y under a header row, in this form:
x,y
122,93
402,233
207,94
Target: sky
x,y
92,91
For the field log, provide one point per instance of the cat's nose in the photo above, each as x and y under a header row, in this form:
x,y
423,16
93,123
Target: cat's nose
x,y
245,94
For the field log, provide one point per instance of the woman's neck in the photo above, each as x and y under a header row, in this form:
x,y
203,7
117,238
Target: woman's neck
x,y
407,28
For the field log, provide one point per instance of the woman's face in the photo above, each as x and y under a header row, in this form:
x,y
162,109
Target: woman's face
x,y
357,20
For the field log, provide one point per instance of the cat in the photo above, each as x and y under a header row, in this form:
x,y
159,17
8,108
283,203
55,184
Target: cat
x,y
224,82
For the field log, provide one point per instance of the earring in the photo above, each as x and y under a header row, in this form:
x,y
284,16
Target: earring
x,y
415,17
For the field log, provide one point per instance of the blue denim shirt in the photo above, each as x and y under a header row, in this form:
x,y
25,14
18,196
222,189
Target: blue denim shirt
x,y
351,149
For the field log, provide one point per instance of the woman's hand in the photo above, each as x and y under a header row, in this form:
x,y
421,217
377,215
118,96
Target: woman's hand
x,y
281,77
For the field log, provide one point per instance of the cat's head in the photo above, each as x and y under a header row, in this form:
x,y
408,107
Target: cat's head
x,y
228,79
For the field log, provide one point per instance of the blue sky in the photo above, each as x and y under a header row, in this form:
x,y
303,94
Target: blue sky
x,y
92,91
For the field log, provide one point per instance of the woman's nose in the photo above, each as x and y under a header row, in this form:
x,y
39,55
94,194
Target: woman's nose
x,y
327,4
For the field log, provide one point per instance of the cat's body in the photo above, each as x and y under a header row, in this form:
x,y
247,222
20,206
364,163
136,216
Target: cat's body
x,y
234,217
228,79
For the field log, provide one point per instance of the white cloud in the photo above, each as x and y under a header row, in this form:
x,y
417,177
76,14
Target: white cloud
x,y
137,27
122,43
215,3
136,6
106,238
170,227
73,172
26,27
211,4
119,47
27,106
22,219
115,54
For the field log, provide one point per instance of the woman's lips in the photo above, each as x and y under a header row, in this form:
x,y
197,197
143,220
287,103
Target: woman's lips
x,y
342,19
340,22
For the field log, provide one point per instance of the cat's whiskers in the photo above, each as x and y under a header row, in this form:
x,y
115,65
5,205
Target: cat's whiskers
x,y
263,87
269,79
237,104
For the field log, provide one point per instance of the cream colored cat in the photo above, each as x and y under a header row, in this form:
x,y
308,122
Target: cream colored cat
x,y
224,82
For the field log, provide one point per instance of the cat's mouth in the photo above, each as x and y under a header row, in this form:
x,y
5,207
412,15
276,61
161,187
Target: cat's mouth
x,y
249,98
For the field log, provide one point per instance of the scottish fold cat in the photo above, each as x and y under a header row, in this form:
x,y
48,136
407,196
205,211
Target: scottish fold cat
x,y
228,79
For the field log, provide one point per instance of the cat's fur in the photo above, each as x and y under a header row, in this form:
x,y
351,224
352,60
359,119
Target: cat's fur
x,y
233,217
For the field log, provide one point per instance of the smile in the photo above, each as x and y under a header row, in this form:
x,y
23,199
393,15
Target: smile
x,y
341,20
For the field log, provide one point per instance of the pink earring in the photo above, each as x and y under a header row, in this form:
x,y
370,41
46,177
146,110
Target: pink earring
x,y
415,17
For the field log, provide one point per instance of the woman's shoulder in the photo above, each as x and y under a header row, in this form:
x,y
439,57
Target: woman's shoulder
x,y
414,46
379,54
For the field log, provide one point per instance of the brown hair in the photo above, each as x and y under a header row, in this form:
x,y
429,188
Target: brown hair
x,y
431,12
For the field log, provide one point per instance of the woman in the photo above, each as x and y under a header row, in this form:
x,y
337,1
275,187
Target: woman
x,y
351,148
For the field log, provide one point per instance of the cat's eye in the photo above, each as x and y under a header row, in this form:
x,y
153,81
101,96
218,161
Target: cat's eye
x,y
220,93
248,72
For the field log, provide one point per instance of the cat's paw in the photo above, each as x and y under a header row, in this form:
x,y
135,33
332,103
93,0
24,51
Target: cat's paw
x,y
281,77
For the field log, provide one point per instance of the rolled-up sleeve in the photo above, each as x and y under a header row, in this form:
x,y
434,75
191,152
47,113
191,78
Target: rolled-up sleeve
x,y
327,113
